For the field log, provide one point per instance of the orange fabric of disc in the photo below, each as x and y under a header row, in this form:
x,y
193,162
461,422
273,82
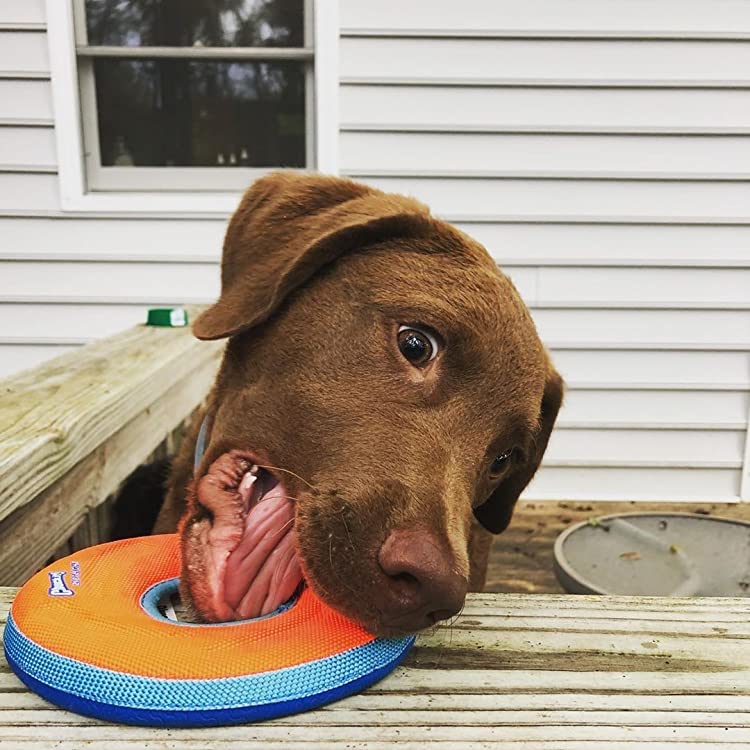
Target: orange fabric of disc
x,y
104,624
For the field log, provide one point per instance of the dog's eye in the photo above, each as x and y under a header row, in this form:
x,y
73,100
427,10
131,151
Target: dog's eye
x,y
500,462
417,345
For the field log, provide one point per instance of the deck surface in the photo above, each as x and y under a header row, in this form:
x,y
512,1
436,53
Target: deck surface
x,y
531,672
521,558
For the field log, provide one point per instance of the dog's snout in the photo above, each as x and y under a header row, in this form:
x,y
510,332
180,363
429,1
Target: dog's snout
x,y
421,584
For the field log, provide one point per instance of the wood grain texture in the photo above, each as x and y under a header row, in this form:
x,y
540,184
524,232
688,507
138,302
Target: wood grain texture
x,y
514,671
32,533
55,416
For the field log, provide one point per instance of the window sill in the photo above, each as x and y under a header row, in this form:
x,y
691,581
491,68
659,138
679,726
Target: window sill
x,y
160,202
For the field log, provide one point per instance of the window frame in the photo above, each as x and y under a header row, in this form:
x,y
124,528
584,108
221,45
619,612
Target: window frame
x,y
220,186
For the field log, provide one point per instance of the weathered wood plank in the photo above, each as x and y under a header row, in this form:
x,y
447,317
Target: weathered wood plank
x,y
428,734
209,744
728,705
48,717
644,627
406,682
502,676
29,534
501,681
608,606
574,652
53,417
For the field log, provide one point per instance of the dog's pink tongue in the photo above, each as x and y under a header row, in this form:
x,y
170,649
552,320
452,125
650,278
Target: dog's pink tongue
x,y
263,571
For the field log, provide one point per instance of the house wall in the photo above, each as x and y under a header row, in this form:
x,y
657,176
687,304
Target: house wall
x,y
599,149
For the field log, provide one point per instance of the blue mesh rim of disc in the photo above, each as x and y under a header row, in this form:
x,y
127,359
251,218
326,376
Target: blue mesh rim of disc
x,y
151,701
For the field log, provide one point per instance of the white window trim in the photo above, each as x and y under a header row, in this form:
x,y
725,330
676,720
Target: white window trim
x,y
69,127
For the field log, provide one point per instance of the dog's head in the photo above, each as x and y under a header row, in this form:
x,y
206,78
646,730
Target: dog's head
x,y
383,385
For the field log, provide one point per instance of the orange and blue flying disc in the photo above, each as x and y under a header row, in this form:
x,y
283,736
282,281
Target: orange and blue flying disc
x,y
86,634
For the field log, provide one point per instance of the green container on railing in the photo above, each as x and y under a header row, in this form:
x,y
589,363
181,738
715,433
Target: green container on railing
x,y
169,317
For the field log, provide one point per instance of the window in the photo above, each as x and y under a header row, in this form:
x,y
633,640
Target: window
x,y
193,94
174,106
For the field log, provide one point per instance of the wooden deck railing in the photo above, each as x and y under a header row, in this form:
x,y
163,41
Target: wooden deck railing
x,y
73,429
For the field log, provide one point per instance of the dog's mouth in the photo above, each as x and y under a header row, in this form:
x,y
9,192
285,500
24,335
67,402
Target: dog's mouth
x,y
246,559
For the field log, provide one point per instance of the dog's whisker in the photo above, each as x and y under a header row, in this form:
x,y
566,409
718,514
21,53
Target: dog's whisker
x,y
442,647
455,617
283,528
348,533
288,471
356,595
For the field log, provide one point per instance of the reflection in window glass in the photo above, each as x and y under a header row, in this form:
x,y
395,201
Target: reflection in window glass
x,y
188,23
157,113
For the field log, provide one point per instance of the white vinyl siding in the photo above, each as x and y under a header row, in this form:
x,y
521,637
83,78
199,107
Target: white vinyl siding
x,y
25,101
546,109
23,51
28,163
597,62
584,155
463,197
532,18
599,149
28,148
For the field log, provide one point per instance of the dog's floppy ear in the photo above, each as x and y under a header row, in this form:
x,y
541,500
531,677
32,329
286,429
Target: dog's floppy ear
x,y
285,229
496,512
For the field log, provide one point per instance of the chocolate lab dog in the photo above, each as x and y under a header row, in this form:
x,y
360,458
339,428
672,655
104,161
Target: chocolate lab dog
x,y
382,402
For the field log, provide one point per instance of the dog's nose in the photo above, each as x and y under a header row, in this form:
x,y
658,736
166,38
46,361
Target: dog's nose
x,y
421,583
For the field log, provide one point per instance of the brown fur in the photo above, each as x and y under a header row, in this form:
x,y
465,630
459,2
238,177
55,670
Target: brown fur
x,y
317,275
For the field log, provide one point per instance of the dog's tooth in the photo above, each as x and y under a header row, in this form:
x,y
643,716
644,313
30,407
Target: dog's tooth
x,y
248,480
245,490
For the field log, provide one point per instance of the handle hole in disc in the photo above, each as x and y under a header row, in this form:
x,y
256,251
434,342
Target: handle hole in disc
x,y
163,602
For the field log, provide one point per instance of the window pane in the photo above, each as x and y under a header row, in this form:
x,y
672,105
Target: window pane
x,y
155,113
187,23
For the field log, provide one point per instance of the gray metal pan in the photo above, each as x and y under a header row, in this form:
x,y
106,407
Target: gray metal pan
x,y
655,554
